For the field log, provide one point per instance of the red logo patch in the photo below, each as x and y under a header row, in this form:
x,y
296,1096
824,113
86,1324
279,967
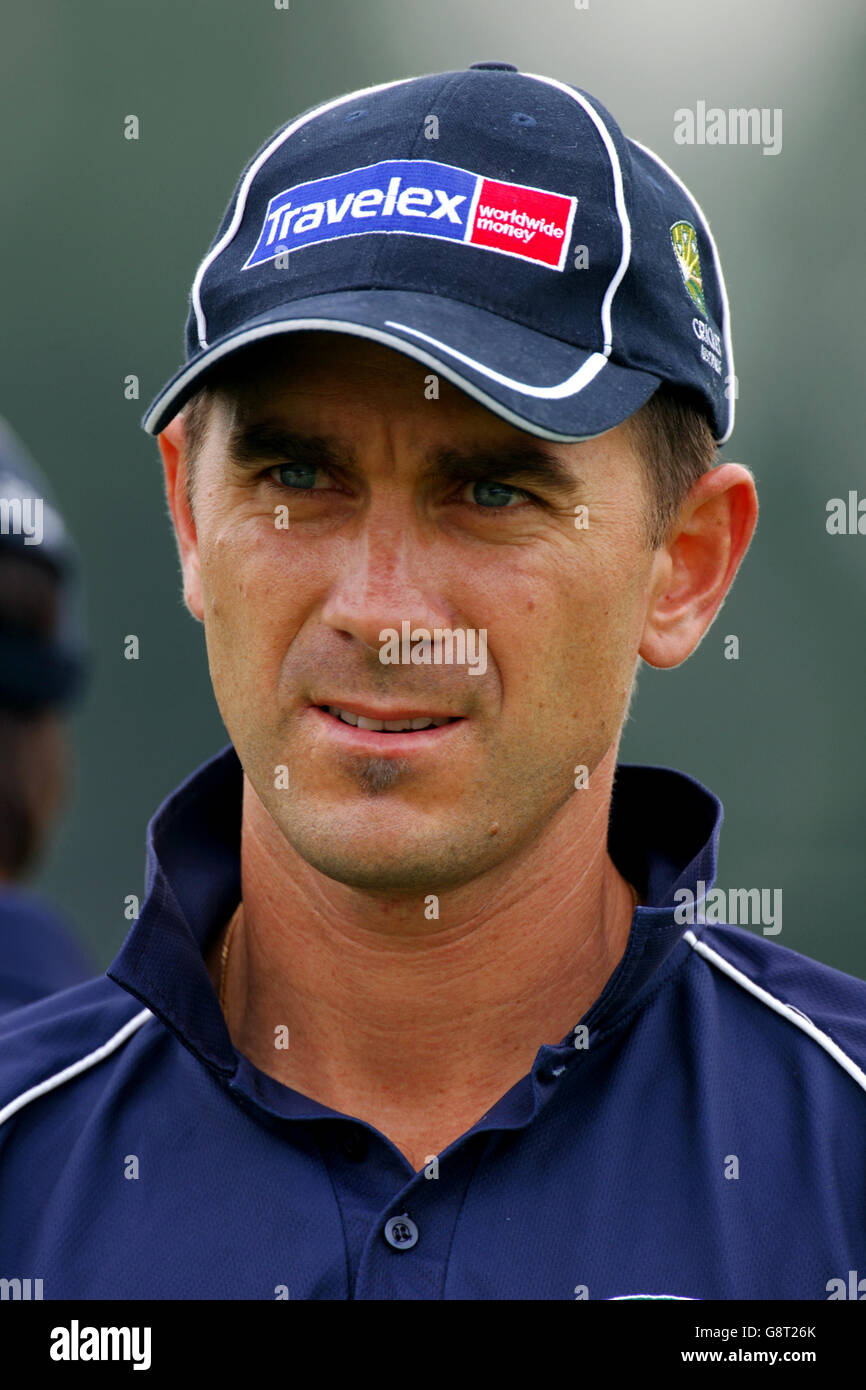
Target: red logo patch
x,y
526,222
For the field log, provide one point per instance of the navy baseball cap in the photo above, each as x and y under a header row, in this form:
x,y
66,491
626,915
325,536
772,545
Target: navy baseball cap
x,y
495,225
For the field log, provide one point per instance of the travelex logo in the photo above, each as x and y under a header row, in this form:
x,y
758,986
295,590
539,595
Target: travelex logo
x,y
422,198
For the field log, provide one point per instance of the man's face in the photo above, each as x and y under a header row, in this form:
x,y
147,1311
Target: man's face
x,y
404,509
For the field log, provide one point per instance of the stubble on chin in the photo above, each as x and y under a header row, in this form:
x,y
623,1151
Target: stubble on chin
x,y
377,775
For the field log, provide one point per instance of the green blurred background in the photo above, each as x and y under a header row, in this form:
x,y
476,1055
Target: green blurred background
x,y
101,237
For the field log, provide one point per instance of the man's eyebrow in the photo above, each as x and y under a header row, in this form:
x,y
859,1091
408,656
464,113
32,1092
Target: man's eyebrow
x,y
530,463
251,444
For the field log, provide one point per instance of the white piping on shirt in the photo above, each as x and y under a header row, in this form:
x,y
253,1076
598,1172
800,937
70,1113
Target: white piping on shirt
x,y
76,1068
787,1011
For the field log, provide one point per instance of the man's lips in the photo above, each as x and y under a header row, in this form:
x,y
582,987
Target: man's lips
x,y
383,741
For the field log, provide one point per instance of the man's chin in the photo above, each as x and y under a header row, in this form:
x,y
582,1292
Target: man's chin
x,y
388,856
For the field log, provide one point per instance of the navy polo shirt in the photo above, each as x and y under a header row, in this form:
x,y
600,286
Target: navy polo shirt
x,y
38,951
708,1141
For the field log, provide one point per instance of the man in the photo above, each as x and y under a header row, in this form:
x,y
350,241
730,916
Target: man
x,y
409,1011
41,672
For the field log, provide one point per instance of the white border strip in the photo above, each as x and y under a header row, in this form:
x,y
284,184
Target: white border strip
x,y
785,1010
576,382
240,206
726,308
76,1068
358,330
619,197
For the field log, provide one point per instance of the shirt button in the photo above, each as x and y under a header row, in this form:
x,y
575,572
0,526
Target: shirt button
x,y
355,1143
401,1232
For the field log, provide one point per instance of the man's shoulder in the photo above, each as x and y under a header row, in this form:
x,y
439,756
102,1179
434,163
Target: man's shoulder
x,y
46,1042
791,989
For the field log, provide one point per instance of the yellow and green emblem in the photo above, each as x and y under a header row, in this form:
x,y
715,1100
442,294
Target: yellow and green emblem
x,y
684,240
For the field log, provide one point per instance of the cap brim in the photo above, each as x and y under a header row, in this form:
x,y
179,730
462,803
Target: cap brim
x,y
537,383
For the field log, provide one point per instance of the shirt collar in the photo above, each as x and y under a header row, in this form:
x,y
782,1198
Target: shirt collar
x,y
663,836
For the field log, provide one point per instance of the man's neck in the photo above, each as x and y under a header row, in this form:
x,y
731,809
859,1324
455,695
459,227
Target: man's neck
x,y
418,1026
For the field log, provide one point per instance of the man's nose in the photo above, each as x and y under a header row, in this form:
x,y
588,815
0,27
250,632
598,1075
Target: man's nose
x,y
387,577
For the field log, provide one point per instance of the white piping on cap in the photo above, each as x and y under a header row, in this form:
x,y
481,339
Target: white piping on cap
x,y
576,382
589,369
619,198
252,335
240,206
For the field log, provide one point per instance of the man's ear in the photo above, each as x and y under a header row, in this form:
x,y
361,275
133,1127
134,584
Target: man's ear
x,y
695,568
172,446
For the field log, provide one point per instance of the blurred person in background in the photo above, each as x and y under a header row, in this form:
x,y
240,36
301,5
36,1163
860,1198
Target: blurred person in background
x,y
41,672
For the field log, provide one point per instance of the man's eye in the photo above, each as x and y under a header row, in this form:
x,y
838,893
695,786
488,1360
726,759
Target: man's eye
x,y
296,475
495,495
